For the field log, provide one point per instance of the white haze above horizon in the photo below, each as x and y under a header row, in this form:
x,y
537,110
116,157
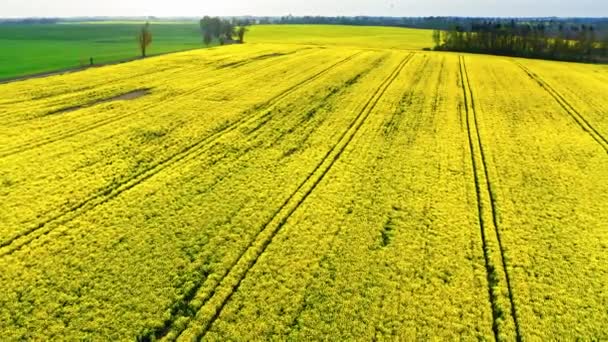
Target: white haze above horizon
x,y
406,8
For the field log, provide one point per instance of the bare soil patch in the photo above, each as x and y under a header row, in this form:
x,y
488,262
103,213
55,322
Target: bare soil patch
x,y
132,95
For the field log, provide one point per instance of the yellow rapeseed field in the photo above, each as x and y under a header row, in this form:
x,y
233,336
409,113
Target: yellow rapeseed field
x,y
303,192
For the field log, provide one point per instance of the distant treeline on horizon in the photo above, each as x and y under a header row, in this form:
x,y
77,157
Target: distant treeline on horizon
x,y
556,40
551,27
432,22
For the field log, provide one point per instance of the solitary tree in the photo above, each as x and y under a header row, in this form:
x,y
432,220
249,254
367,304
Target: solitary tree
x,y
241,33
206,30
437,38
144,38
207,37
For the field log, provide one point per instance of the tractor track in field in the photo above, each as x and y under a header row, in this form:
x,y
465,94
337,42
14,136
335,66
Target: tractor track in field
x,y
301,307
265,56
122,77
291,204
74,70
311,115
81,90
567,107
391,126
177,310
475,139
175,74
75,90
178,307
12,244
28,146
104,122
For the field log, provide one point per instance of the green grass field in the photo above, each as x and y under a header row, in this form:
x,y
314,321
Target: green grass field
x,y
30,49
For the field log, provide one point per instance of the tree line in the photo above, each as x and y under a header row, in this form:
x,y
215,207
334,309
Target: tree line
x,y
432,22
223,30
581,43
212,29
569,39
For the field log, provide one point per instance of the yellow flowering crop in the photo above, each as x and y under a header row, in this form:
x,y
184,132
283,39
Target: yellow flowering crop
x,y
306,192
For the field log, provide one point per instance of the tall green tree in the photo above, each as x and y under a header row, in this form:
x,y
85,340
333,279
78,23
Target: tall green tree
x,y
240,32
437,37
226,31
541,40
144,38
217,28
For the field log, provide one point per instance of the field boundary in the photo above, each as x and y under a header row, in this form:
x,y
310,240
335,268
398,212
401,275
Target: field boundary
x,y
567,107
71,70
496,267
234,276
193,150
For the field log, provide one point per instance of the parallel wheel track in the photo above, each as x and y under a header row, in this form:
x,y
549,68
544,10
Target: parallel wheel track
x,y
567,107
476,147
11,245
274,224
147,73
177,309
27,146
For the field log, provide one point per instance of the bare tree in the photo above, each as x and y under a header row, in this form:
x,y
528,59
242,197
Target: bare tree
x,y
144,38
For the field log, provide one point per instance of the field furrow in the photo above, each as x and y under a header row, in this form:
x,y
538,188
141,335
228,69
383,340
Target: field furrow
x,y
367,250
58,130
169,326
549,186
107,194
302,188
504,312
225,171
219,296
583,86
568,108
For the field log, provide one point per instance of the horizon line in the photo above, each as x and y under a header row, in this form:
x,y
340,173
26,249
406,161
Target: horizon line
x,y
299,16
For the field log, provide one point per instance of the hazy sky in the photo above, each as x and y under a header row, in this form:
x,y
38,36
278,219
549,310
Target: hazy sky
x,y
64,8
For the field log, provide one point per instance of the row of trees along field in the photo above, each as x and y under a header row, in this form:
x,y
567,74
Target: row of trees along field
x,y
436,23
222,30
583,43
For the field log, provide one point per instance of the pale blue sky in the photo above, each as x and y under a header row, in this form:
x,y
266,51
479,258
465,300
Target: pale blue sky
x,y
63,8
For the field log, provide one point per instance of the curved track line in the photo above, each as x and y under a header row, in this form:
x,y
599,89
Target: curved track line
x,y
27,146
205,63
272,227
177,309
568,108
79,93
191,151
475,140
